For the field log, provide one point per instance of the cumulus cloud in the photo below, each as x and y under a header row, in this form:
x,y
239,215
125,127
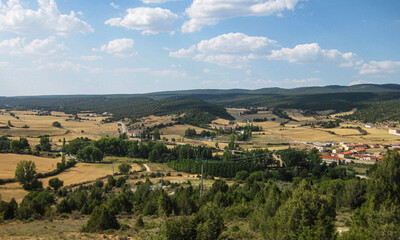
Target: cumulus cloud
x,y
147,20
119,47
231,50
47,18
210,12
38,47
313,53
382,68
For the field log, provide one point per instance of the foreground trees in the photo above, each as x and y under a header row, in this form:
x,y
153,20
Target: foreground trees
x,y
378,217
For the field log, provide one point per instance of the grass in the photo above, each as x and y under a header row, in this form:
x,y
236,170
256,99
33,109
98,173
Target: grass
x,y
159,167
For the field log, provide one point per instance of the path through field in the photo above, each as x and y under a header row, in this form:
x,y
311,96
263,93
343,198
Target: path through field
x,y
147,168
123,128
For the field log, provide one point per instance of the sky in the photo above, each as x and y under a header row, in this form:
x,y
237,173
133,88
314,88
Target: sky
x,y
51,47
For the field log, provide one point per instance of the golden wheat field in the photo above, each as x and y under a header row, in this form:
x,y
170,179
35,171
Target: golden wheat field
x,y
9,161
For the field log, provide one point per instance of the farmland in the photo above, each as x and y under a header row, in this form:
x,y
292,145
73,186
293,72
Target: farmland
x,y
9,161
90,127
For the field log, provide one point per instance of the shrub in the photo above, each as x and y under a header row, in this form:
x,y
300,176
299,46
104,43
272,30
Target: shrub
x,y
57,124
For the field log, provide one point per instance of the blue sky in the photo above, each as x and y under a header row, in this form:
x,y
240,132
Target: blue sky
x,y
52,47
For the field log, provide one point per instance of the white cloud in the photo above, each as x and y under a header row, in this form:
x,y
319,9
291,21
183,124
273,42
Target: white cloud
x,y
303,81
313,53
119,47
112,4
4,64
382,68
231,50
91,58
170,73
147,20
183,53
156,1
38,47
206,70
47,18
210,12
63,66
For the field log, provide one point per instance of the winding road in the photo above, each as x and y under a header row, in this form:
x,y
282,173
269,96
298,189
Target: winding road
x,y
123,128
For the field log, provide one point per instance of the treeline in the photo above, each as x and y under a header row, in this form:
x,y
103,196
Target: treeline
x,y
330,124
215,168
153,151
16,146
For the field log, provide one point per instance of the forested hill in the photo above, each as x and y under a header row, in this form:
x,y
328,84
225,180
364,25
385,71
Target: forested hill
x,y
374,102
372,88
121,107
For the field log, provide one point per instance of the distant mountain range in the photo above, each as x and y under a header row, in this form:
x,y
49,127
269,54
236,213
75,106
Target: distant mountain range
x,y
374,102
374,88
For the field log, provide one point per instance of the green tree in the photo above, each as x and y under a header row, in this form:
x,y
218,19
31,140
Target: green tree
x,y
378,217
124,168
56,183
44,144
307,215
90,154
156,134
25,173
101,219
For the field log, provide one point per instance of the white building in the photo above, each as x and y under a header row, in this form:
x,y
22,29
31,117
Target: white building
x,y
394,131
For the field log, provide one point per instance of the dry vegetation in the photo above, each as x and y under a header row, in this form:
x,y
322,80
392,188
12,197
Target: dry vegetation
x,y
42,125
9,161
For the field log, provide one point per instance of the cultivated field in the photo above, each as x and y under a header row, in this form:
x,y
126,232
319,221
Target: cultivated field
x,y
9,161
42,125
80,173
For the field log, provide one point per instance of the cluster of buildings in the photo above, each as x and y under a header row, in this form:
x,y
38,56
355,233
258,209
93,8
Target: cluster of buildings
x,y
104,114
42,112
224,127
394,132
343,153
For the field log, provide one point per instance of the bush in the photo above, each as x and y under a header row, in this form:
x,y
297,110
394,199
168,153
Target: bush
x,y
57,124
139,222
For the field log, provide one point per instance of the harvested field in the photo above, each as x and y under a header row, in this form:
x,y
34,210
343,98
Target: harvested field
x,y
82,172
178,131
91,127
9,161
12,190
